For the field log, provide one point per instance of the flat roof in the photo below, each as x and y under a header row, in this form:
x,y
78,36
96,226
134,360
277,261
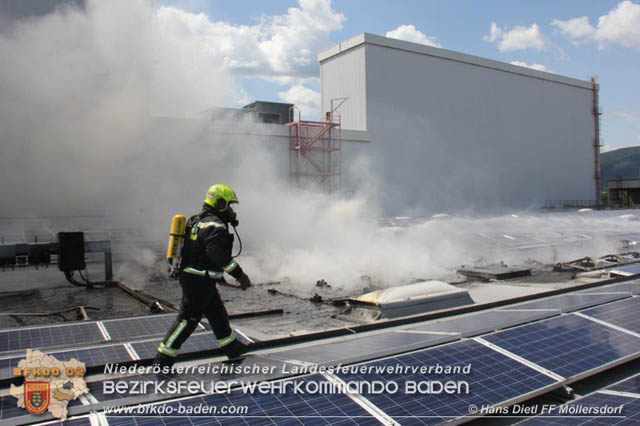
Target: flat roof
x,y
272,130
367,38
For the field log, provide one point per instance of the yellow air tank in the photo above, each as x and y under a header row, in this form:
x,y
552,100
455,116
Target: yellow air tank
x,y
176,241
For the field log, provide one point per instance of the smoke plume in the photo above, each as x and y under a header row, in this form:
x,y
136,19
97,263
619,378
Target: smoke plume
x,y
81,94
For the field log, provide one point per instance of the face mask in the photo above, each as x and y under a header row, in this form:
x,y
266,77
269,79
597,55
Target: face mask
x,y
230,217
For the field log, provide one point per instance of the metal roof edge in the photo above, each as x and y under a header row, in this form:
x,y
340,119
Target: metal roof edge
x,y
376,40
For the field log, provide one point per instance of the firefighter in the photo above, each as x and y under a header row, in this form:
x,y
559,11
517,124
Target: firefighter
x,y
205,256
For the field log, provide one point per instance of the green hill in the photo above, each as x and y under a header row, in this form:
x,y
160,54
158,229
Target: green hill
x,y
620,163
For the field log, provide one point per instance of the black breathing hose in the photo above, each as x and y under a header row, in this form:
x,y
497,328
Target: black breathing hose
x,y
239,242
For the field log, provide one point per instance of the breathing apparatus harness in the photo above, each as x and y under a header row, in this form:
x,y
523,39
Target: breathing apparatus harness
x,y
178,234
229,216
235,231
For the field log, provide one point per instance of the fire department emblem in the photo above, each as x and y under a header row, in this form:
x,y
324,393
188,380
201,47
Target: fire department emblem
x,y
36,397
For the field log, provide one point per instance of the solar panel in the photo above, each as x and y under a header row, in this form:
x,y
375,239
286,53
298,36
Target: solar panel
x,y
152,325
631,287
569,302
91,357
562,416
623,313
630,385
493,379
271,408
195,343
570,345
484,322
42,337
100,355
364,348
84,333
96,356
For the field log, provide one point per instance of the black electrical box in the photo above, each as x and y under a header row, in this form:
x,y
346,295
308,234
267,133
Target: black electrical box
x,y
71,251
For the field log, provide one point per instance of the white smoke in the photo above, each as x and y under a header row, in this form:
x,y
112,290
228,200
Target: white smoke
x,y
79,88
77,93
342,242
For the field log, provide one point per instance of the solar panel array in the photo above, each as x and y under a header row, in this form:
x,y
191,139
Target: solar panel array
x,y
99,355
569,345
260,368
270,408
494,379
92,357
42,337
85,333
338,408
9,410
533,356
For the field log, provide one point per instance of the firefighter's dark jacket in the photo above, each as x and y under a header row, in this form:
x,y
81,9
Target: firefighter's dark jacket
x,y
208,244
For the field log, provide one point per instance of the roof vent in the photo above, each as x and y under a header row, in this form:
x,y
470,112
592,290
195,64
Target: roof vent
x,y
412,299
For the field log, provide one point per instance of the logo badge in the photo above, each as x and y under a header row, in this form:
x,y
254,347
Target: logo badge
x,y
36,397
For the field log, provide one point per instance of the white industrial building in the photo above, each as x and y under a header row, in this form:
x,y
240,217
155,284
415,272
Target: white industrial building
x,y
450,131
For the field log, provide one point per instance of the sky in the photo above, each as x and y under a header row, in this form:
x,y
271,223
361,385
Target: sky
x,y
270,48
230,53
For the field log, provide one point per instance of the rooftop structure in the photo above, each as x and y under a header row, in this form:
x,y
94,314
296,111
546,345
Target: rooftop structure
x,y
270,112
258,111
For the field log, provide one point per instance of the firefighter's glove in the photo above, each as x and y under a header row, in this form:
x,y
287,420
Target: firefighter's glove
x,y
244,281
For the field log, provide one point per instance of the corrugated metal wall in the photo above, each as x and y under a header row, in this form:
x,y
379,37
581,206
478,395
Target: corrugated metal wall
x,y
344,76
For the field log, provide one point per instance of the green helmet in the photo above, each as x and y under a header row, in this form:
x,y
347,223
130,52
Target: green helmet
x,y
219,197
